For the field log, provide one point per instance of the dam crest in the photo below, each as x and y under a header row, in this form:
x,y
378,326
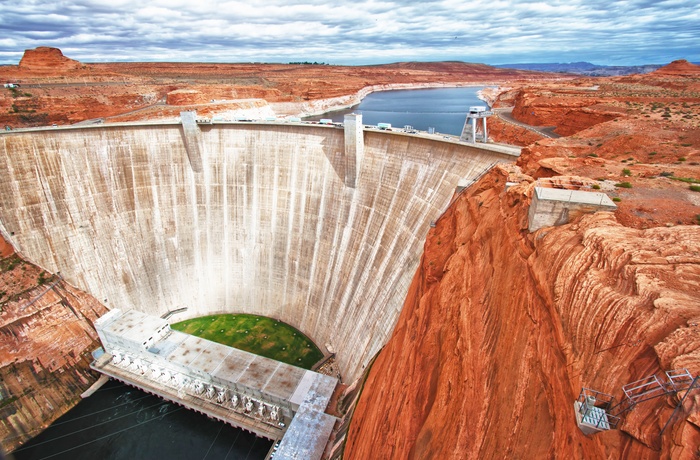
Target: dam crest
x,y
274,220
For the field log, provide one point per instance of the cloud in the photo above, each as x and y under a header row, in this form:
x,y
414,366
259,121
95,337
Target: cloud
x,y
365,31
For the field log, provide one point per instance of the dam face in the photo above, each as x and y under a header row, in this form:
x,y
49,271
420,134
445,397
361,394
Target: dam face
x,y
266,226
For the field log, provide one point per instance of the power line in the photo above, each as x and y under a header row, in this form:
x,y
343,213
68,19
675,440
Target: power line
x,y
91,426
79,417
111,434
101,410
233,443
212,443
251,447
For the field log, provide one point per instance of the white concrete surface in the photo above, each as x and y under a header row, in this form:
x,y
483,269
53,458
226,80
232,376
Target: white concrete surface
x,y
552,207
267,227
207,376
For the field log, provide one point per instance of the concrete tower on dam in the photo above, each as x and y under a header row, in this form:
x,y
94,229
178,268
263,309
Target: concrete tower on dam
x,y
276,220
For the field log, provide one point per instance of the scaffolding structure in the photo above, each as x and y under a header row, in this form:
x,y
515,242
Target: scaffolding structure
x,y
596,411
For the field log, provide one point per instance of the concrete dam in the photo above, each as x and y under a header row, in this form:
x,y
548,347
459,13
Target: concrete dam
x,y
264,220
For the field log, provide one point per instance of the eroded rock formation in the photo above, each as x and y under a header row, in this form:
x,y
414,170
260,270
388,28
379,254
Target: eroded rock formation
x,y
502,328
679,67
47,334
48,60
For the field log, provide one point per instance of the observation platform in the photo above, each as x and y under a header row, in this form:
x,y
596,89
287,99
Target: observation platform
x,y
595,411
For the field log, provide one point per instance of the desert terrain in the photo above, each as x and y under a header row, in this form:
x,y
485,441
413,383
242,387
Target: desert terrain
x,y
501,328
57,90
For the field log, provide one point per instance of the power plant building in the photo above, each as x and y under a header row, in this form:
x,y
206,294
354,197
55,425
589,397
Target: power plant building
x,y
245,390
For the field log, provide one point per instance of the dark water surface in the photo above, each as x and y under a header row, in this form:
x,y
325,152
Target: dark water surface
x,y
444,109
119,422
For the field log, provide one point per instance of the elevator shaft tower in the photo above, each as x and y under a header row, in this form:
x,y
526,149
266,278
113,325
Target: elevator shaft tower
x,y
472,130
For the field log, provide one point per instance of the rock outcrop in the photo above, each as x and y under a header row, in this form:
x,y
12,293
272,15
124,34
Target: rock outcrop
x,y
569,115
47,60
679,67
6,248
510,133
502,328
47,334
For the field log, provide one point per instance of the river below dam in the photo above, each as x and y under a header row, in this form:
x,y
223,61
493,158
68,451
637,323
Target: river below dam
x,y
443,109
119,422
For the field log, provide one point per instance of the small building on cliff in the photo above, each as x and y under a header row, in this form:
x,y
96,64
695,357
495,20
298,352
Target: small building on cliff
x,y
551,206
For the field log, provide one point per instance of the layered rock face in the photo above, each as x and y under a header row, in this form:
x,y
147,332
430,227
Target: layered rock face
x,y
202,96
268,227
502,328
542,109
47,334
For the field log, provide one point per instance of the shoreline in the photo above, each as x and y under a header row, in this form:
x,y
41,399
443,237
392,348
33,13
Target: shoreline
x,y
234,109
321,106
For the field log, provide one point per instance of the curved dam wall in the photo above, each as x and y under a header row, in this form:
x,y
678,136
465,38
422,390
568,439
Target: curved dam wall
x,y
267,226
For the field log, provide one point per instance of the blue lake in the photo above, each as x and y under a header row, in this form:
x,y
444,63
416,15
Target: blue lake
x,y
444,109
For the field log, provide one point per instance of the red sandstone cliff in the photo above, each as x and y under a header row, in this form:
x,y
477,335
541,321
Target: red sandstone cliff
x,y
568,114
47,335
502,328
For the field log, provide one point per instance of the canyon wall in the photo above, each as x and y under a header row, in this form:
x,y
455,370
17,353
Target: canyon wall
x,y
501,329
569,115
46,336
268,226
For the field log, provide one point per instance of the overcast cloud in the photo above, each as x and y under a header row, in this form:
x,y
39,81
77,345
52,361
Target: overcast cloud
x,y
362,32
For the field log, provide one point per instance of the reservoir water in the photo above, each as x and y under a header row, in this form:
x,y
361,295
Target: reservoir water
x,y
119,422
444,109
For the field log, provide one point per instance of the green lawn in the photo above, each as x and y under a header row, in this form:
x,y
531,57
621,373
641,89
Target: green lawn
x,y
256,334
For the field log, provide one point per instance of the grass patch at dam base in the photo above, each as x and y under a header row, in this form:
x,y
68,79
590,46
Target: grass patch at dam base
x,y
256,334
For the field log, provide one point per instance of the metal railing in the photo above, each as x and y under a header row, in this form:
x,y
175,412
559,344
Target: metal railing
x,y
597,409
594,406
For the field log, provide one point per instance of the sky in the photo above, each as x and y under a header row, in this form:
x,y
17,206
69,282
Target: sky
x,y
605,32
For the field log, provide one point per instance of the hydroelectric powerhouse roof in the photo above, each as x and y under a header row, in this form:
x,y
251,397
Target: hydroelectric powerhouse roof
x,y
305,393
224,363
